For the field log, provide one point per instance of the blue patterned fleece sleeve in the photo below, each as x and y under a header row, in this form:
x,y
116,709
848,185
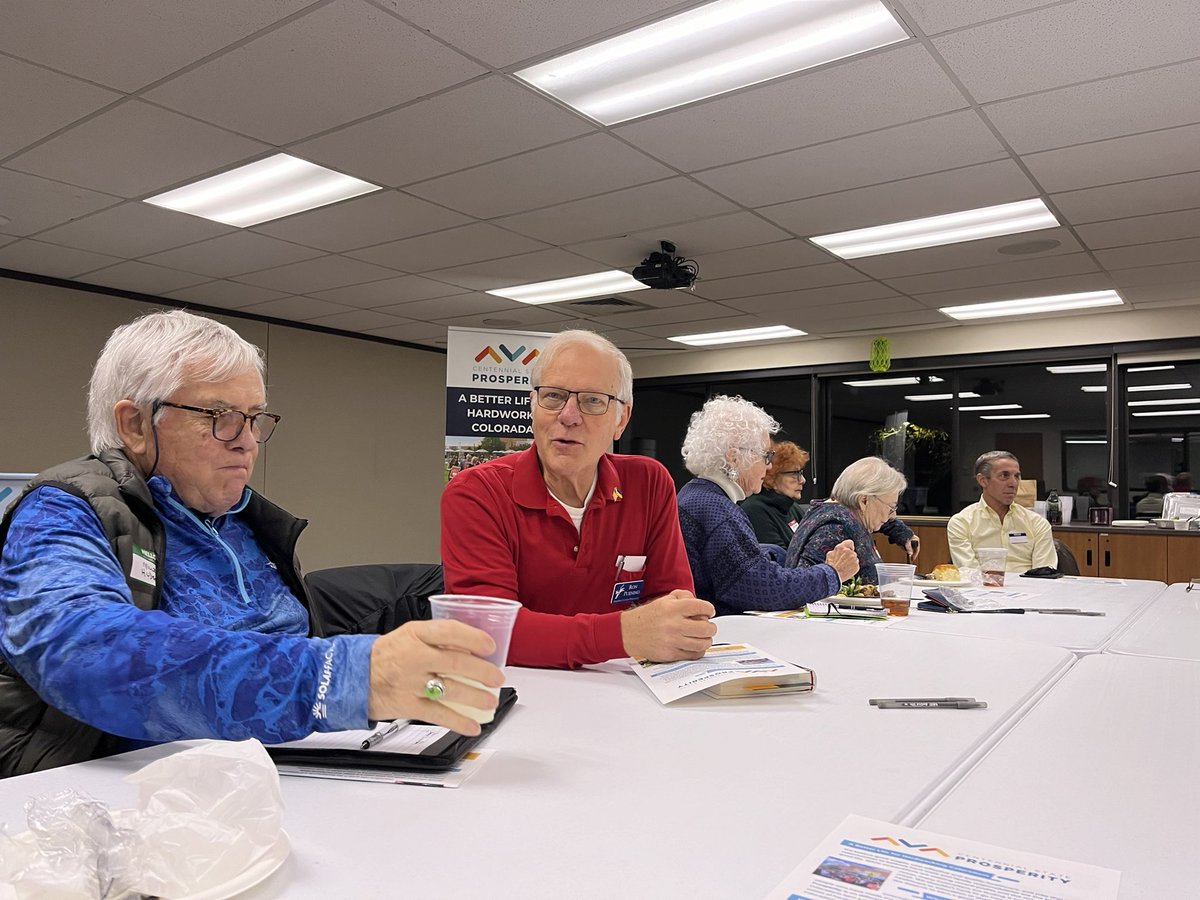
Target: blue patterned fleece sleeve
x,y
69,628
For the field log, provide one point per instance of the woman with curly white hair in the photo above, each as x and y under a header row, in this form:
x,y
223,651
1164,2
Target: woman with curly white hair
x,y
728,449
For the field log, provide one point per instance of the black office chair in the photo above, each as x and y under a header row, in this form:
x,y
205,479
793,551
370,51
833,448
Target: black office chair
x,y
373,599
1066,559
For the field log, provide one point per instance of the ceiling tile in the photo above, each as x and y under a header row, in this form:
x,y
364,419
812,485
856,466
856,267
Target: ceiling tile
x,y
1067,44
232,254
133,229
135,149
578,168
850,97
298,309
1014,270
336,63
60,101
876,309
41,258
1128,104
1161,274
791,301
543,265
526,29
778,281
142,277
375,294
917,148
1070,284
691,239
1148,155
129,43
765,258
936,16
225,294
702,321
371,219
32,204
447,307
543,318
1141,229
645,206
319,274
359,320
452,247
473,124
417,331
967,255
927,195
1133,198
1187,293
1150,254
876,323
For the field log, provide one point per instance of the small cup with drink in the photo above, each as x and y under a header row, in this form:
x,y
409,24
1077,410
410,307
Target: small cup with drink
x,y
992,562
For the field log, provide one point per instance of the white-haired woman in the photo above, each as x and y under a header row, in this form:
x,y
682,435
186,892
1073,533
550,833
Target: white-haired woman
x,y
862,501
728,448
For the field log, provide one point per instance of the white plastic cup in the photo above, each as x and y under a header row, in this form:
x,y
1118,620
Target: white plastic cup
x,y
895,579
992,562
491,614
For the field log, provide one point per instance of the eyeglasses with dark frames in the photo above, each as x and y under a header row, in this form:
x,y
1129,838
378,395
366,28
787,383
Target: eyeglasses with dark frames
x,y
591,403
227,424
766,455
795,473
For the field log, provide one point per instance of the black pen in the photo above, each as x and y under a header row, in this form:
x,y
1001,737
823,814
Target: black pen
x,y
932,704
380,735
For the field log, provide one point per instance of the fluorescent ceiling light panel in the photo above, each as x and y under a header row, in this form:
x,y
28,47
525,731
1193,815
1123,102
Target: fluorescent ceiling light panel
x,y
1030,305
1141,388
1024,416
767,333
575,288
883,382
994,406
934,231
271,188
920,397
710,50
1171,412
1151,368
1178,401
933,379
1068,370
1094,388
1085,442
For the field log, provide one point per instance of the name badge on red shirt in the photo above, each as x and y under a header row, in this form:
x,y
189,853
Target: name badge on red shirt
x,y
630,579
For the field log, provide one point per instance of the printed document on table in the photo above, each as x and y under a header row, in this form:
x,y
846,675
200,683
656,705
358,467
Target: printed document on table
x,y
894,861
411,737
721,663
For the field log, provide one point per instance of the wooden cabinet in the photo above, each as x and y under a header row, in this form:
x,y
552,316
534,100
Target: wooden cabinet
x,y
934,547
1183,558
1124,555
1083,546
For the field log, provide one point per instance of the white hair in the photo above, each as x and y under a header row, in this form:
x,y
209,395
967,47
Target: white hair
x,y
720,425
575,336
869,477
153,356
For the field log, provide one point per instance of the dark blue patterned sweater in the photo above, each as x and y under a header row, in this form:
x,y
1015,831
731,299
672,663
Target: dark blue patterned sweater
x,y
731,568
827,525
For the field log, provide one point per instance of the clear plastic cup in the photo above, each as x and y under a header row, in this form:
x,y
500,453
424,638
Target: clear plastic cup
x,y
895,582
992,562
490,614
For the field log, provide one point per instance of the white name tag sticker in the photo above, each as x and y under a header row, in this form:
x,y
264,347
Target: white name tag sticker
x,y
1018,537
793,524
143,567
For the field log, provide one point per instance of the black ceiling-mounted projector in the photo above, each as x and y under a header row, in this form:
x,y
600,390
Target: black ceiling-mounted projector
x,y
665,271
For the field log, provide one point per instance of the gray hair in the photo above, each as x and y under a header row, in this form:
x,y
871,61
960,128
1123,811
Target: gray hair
x,y
153,356
983,465
720,425
575,336
870,477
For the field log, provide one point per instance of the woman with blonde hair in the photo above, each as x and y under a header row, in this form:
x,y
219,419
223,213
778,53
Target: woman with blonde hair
x,y
863,500
728,449
774,512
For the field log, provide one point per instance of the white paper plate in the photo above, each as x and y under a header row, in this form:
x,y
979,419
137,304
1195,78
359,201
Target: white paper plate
x,y
929,582
248,877
1130,523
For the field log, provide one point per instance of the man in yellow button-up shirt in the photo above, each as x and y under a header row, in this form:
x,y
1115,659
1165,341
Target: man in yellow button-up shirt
x,y
995,521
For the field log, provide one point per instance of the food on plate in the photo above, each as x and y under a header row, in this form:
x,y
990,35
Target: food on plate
x,y
945,572
855,588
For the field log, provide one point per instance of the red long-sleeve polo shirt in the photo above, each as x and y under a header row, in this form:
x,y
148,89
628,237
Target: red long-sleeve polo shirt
x,y
504,535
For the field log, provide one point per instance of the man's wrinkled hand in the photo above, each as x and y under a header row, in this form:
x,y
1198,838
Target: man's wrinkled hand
x,y
675,626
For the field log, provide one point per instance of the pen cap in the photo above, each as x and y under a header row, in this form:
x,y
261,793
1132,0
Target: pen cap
x,y
491,614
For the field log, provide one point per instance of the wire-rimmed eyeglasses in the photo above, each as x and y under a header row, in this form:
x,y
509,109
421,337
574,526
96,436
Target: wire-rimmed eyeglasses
x,y
227,424
767,455
591,403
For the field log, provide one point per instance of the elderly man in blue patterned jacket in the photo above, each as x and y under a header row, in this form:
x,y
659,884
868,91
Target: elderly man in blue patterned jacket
x,y
148,595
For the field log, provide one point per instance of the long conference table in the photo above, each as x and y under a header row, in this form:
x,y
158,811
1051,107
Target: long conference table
x,y
597,790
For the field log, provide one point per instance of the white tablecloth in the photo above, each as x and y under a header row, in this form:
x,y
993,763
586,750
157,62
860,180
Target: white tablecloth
x,y
1169,627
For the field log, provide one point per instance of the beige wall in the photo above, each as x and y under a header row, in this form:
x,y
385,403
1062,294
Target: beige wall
x,y
1066,331
358,453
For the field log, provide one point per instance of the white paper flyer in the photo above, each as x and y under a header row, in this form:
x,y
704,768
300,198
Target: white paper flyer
x,y
740,668
894,861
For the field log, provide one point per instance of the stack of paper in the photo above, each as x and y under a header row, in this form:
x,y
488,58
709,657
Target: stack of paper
x,y
726,670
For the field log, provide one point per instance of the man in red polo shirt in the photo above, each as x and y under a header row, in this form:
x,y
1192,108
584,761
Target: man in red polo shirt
x,y
584,538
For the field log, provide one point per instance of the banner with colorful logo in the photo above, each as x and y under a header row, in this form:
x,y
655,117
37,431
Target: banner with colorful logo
x,y
487,394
